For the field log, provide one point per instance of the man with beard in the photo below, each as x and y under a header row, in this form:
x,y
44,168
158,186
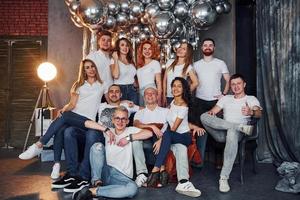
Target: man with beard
x,y
101,57
209,71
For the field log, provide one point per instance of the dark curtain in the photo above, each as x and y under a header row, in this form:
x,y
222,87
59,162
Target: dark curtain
x,y
278,78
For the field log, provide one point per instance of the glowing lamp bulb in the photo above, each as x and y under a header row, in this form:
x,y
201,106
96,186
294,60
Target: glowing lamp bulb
x,y
46,71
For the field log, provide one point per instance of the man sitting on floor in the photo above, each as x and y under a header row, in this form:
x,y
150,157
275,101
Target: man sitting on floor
x,y
237,110
112,165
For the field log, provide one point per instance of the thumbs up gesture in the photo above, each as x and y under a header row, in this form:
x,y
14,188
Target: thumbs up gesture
x,y
246,110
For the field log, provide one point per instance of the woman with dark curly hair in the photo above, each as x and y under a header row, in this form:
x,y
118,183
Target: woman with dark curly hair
x,y
179,132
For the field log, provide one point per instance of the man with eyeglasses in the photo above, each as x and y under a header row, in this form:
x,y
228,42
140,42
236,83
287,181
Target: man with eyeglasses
x,y
112,165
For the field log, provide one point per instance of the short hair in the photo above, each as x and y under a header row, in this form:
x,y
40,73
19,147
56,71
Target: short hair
x,y
115,86
208,39
104,32
120,109
237,75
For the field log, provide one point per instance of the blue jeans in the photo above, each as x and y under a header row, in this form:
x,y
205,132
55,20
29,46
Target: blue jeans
x,y
129,92
58,143
77,140
116,184
171,137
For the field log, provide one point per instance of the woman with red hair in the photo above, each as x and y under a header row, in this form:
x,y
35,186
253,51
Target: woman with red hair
x,y
149,69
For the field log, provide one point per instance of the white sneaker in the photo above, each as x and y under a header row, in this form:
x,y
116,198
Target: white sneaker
x,y
188,189
31,152
223,185
55,171
247,129
141,180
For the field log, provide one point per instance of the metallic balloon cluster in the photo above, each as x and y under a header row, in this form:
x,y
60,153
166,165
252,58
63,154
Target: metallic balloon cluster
x,y
171,20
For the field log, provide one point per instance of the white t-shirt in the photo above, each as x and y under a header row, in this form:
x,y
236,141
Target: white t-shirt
x,y
121,157
89,99
106,111
102,62
173,74
146,74
127,73
232,108
158,115
209,75
180,112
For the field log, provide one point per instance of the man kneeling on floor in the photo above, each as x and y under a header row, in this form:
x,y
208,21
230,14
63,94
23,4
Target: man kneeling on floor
x,y
237,110
112,165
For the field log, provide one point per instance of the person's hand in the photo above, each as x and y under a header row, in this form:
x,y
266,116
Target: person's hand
x,y
156,146
59,113
219,96
129,103
198,130
123,142
156,131
210,112
111,135
246,110
115,55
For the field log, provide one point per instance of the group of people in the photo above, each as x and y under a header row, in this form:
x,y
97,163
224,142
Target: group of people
x,y
100,155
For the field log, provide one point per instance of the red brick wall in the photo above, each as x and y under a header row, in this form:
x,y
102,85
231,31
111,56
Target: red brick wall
x,y
24,17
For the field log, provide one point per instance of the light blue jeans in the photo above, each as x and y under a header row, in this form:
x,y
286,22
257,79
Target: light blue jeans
x,y
223,131
116,184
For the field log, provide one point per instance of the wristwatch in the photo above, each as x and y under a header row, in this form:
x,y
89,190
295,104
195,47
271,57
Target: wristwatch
x,y
129,138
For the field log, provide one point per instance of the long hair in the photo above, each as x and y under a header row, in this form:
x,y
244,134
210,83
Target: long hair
x,y
140,56
186,93
129,56
82,75
188,60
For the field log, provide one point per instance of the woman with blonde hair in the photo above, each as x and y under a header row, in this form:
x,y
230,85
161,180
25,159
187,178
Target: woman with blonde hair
x,y
85,98
149,69
181,66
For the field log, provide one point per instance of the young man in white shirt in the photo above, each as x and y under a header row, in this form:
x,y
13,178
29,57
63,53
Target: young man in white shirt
x,y
112,165
238,110
210,71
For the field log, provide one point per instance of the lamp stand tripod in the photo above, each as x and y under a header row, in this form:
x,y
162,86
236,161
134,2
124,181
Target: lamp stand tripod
x,y
45,102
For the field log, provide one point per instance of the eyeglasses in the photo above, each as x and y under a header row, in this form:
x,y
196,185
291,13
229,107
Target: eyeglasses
x,y
123,119
89,66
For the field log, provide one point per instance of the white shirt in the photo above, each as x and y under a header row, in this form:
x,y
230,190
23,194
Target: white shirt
x,y
106,111
89,99
158,115
127,73
146,74
173,74
121,157
232,108
102,62
180,112
209,75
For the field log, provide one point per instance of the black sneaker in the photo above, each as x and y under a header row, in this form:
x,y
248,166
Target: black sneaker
x,y
63,182
76,185
83,194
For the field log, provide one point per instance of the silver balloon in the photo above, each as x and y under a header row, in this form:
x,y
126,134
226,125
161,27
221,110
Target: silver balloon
x,y
146,2
136,8
163,24
180,30
76,20
146,30
151,9
143,36
145,19
91,12
181,10
110,22
227,7
133,19
73,6
135,30
166,4
113,7
203,14
124,5
219,8
122,19
190,2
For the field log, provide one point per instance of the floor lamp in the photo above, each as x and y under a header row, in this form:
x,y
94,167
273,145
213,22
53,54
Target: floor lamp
x,y
46,72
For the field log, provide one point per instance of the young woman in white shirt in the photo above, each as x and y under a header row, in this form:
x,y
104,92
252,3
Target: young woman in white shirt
x,y
123,70
180,67
149,69
178,133
85,98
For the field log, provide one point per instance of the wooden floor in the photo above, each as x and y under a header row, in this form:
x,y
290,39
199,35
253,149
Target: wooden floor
x,y
30,180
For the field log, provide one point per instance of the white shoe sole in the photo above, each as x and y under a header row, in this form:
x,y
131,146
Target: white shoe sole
x,y
74,190
59,186
189,193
